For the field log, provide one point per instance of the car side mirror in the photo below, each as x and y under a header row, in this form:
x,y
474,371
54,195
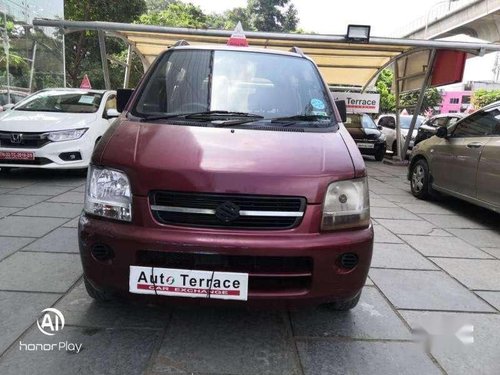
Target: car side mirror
x,y
8,106
442,132
341,107
111,113
122,98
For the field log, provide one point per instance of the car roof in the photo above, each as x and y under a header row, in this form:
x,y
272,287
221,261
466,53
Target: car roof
x,y
441,115
76,90
219,47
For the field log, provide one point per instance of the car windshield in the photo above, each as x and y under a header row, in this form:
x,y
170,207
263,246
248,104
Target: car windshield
x,y
269,86
405,121
62,101
368,123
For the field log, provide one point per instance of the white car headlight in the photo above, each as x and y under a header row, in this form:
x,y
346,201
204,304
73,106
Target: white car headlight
x,y
108,194
346,205
66,135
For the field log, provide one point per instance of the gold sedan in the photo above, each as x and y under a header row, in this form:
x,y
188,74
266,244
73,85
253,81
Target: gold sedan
x,y
462,161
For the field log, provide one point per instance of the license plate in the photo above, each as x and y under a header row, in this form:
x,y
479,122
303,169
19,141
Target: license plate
x,y
188,283
366,145
14,155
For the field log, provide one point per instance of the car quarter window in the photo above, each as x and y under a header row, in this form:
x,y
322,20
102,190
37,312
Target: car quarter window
x,y
483,123
387,122
111,102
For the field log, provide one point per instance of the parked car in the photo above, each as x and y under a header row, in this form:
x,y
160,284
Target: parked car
x,y
228,176
366,134
429,126
55,128
388,123
463,161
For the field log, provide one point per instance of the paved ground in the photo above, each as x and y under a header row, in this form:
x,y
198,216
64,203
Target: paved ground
x,y
437,262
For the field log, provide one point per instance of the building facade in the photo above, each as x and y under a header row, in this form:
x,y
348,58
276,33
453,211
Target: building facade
x,y
455,101
30,58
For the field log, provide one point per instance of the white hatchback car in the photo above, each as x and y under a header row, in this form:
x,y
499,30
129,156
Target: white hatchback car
x,y
388,124
55,128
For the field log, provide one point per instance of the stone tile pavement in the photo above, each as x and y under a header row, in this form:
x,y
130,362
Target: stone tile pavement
x,y
433,262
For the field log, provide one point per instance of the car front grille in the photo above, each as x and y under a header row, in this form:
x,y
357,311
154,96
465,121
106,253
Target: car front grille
x,y
227,210
265,274
23,140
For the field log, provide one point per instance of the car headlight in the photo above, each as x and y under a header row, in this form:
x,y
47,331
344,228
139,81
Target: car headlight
x,y
108,194
66,135
346,205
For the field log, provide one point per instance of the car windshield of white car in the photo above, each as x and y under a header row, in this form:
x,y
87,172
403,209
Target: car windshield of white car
x,y
66,102
406,121
274,89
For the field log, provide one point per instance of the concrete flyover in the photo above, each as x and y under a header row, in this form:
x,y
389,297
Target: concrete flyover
x,y
476,18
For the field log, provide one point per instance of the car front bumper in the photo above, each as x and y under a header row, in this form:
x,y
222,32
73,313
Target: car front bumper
x,y
325,280
48,156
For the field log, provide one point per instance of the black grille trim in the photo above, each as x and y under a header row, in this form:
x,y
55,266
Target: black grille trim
x,y
267,274
29,140
212,201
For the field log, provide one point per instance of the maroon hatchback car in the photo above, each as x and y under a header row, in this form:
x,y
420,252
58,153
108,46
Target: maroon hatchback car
x,y
228,176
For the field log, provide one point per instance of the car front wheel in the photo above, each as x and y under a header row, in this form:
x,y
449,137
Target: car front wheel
x,y
420,180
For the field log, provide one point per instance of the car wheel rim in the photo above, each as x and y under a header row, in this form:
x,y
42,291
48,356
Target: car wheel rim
x,y
418,178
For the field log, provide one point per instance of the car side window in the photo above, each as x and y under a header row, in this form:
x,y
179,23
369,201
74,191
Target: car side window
x,y
480,124
111,102
387,122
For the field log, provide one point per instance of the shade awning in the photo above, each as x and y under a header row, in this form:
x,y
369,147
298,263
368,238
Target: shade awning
x,y
340,62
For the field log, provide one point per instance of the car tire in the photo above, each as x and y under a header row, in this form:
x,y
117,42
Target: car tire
x,y
98,295
379,155
420,180
344,305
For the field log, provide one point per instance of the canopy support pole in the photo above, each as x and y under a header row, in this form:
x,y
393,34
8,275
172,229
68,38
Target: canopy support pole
x,y
421,97
128,67
104,59
32,70
398,123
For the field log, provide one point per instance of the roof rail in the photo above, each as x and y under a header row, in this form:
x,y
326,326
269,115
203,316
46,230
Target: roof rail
x,y
181,42
297,50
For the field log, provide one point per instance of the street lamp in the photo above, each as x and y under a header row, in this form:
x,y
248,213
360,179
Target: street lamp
x,y
431,8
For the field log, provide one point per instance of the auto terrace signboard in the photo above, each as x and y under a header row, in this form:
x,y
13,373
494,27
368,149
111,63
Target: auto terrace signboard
x,y
359,103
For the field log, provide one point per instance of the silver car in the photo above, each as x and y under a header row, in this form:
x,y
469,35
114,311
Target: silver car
x,y
462,161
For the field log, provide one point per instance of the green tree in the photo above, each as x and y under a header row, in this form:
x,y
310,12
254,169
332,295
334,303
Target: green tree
x,y
432,98
384,87
272,15
483,97
177,14
157,5
82,48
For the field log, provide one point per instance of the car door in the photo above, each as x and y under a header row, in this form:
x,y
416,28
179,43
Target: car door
x,y
488,172
455,159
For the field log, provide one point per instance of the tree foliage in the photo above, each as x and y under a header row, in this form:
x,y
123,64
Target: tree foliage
x,y
272,15
82,48
432,98
177,14
384,87
483,97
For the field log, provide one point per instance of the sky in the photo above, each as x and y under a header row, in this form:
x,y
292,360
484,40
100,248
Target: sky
x,y
384,16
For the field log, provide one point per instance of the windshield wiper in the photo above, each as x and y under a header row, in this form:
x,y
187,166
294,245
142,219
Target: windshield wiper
x,y
217,114
292,120
205,115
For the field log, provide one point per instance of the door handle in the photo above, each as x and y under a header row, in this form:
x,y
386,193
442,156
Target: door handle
x,y
474,145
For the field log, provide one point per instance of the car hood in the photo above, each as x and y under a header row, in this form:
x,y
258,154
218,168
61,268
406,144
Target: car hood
x,y
28,121
224,160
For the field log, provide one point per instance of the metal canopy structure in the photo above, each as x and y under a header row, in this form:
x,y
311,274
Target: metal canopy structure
x,y
340,62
